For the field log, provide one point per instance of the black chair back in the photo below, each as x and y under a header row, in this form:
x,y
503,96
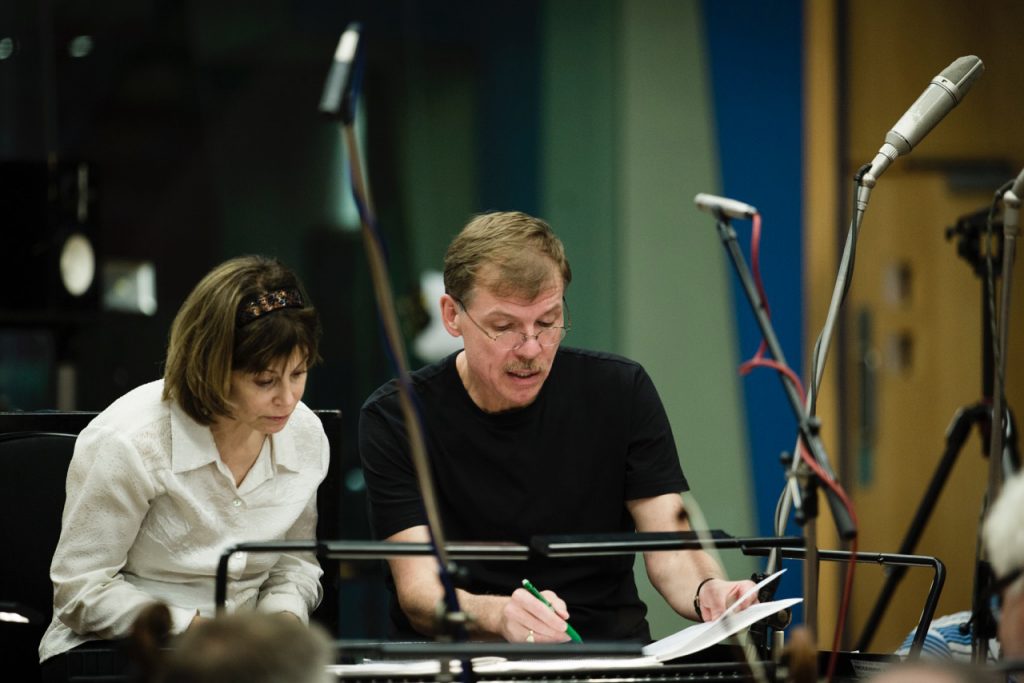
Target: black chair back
x,y
33,468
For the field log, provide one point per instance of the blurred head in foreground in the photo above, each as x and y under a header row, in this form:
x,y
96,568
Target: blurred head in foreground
x,y
1004,539
250,647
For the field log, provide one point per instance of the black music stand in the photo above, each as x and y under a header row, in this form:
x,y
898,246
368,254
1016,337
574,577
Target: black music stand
x,y
574,546
789,547
590,545
888,560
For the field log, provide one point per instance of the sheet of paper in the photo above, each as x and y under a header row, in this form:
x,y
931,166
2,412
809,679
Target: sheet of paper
x,y
753,591
387,668
701,636
491,665
733,620
569,664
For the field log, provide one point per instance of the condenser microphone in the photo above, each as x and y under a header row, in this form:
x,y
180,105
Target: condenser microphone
x,y
944,92
1018,185
714,205
337,100
1011,206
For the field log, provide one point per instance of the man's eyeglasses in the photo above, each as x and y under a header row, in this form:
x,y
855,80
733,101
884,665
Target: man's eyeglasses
x,y
510,340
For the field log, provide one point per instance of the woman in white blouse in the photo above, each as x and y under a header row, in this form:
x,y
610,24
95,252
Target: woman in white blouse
x,y
218,452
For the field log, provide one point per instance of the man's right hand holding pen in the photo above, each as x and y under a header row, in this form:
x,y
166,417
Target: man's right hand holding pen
x,y
527,619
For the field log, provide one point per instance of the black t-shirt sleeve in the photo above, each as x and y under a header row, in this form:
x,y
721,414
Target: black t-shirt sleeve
x,y
652,464
391,482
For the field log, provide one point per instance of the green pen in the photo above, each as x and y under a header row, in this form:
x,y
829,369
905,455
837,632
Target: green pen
x,y
536,593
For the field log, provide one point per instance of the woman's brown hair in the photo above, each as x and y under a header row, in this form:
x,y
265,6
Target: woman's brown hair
x,y
246,314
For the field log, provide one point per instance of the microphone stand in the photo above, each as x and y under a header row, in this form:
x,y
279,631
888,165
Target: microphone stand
x,y
339,101
1000,419
863,183
805,481
1011,228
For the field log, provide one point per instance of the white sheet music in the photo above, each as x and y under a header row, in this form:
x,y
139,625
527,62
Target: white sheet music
x,y
701,636
491,665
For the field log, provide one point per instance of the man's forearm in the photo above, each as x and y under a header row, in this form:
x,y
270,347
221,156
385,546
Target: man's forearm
x,y
484,611
676,576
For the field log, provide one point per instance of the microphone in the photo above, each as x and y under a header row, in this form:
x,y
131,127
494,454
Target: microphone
x,y
1011,206
338,97
943,93
716,205
1018,185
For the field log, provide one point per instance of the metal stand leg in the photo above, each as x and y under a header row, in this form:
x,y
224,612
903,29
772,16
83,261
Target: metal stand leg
x,y
956,435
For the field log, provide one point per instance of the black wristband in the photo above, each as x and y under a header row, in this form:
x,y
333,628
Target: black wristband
x,y
696,598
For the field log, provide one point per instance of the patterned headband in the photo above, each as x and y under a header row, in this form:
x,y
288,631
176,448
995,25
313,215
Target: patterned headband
x,y
268,302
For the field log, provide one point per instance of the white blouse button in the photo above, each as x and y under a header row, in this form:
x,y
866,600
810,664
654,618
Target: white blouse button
x,y
237,502
236,565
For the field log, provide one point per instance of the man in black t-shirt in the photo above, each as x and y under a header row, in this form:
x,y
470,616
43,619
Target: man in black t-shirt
x,y
526,438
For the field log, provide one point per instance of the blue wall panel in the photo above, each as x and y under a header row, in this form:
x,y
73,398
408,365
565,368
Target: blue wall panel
x,y
755,55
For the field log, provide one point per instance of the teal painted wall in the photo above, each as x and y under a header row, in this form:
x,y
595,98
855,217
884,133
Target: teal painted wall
x,y
579,164
677,317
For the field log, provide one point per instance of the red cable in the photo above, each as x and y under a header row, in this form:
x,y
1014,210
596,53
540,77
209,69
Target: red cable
x,y
755,260
756,362
759,361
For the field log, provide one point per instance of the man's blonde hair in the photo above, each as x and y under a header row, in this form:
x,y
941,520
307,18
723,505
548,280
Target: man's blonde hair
x,y
519,248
